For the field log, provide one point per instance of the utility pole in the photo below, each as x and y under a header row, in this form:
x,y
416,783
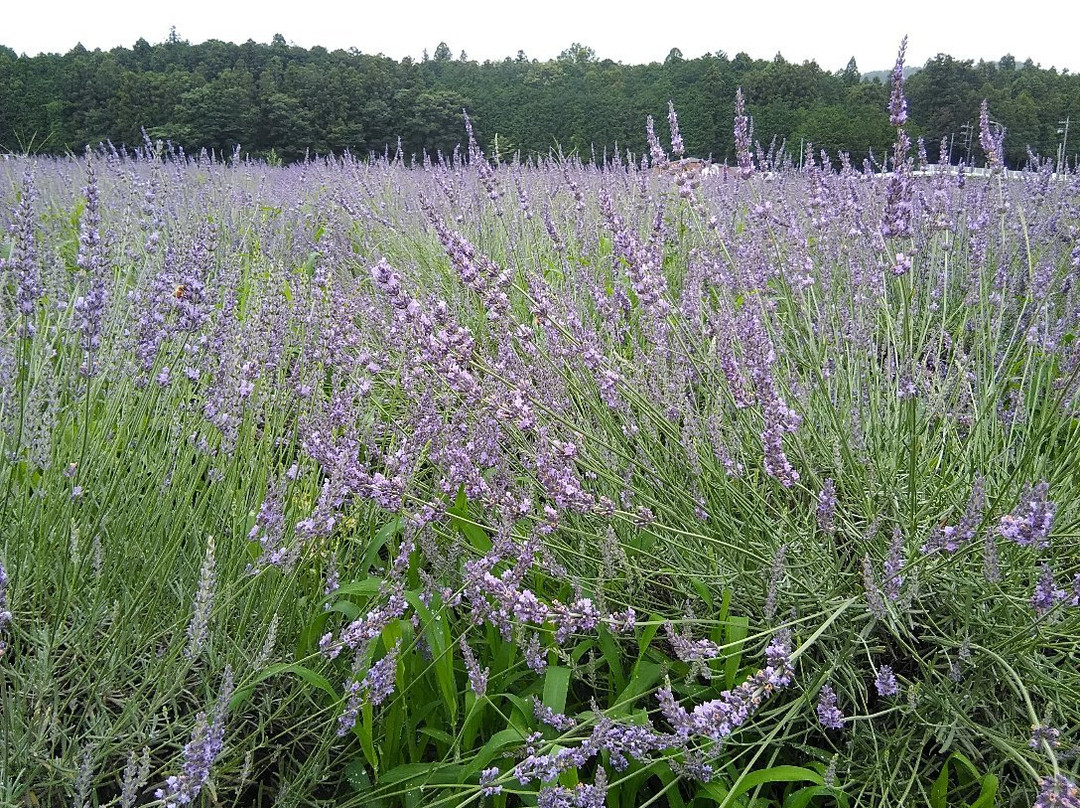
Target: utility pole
x,y
967,130
1063,155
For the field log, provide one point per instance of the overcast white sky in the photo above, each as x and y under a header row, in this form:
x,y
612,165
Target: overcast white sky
x,y
828,31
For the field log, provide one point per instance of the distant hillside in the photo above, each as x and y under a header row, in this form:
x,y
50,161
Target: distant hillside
x,y
883,75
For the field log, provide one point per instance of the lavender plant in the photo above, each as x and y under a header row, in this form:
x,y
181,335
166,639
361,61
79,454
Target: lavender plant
x,y
538,482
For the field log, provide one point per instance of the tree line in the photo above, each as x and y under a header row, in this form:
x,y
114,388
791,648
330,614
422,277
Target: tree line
x,y
280,101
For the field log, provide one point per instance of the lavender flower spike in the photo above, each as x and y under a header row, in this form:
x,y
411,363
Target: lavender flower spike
x,y
827,712
992,142
1029,525
1047,595
204,603
478,678
656,151
742,137
886,683
677,147
5,612
897,101
200,752
826,509
1058,792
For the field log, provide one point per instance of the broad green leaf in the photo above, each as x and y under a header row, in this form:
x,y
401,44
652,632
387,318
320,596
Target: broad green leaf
x,y
437,635
310,634
671,785
718,792
377,542
965,770
495,744
356,775
459,517
646,674
802,797
368,587
647,634
242,694
556,685
776,774
737,628
609,649
364,730
439,735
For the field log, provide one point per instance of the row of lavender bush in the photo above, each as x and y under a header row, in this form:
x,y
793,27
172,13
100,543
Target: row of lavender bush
x,y
539,484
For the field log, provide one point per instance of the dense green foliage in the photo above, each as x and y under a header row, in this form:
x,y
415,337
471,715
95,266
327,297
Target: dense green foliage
x,y
280,101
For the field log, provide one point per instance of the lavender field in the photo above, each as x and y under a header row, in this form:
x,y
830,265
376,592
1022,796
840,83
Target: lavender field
x,y
458,482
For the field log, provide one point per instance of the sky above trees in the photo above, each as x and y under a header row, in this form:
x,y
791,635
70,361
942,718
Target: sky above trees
x,y
829,32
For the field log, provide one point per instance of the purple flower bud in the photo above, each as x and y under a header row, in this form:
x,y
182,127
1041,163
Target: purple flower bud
x,y
894,565
870,588
478,678
826,509
827,712
886,683
1057,792
5,613
1039,734
488,788
1029,525
1046,595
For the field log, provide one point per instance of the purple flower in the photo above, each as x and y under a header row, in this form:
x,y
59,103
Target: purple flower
x,y
992,141
690,650
1029,525
488,787
374,688
200,752
742,137
364,628
544,713
478,679
5,612
656,151
885,682
826,509
897,101
1039,734
269,528
1046,595
1057,792
676,139
827,712
378,683
22,262
204,604
718,718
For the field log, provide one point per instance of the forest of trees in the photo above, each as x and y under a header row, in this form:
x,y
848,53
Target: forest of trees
x,y
280,101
